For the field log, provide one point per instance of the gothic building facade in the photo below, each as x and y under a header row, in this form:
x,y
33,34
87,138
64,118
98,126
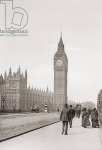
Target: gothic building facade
x,y
16,96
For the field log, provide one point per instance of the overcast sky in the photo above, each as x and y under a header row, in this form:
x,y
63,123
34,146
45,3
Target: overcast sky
x,y
80,21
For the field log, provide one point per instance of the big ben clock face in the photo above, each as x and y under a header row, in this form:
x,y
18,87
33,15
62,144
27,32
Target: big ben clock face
x,y
59,62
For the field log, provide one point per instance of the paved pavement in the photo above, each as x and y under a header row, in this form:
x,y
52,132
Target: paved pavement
x,y
50,138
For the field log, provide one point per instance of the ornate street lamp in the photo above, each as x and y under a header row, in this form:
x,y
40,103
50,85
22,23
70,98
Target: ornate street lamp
x,y
3,102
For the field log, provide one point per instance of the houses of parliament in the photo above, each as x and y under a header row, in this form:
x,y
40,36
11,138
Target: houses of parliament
x,y
15,95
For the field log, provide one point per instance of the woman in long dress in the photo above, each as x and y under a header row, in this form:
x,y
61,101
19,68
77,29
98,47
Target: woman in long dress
x,y
94,118
85,118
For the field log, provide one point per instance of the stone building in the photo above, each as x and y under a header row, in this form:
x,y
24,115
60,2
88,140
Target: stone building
x,y
13,91
99,105
99,101
39,98
60,75
16,96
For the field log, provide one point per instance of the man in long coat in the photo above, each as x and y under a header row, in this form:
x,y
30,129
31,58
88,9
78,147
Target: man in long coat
x,y
64,118
71,114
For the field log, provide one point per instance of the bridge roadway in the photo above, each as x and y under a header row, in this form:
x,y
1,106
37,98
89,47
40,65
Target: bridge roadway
x,y
12,125
50,138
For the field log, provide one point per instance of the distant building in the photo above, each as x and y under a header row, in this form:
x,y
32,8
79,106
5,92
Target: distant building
x,y
60,75
16,96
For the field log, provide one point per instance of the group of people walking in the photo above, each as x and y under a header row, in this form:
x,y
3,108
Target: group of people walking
x,y
89,117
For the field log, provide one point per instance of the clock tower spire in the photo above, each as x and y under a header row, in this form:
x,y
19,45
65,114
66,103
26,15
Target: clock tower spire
x,y
60,75
60,44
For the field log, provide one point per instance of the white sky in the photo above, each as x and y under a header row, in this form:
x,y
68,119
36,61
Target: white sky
x,y
81,24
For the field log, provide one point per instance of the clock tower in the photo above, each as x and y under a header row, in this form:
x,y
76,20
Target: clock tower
x,y
60,75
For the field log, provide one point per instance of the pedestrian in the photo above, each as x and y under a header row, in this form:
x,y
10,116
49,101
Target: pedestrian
x,y
94,118
78,111
85,118
64,119
71,114
57,109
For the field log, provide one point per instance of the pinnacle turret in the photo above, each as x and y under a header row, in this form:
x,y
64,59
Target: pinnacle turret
x,y
26,74
60,44
19,70
10,71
